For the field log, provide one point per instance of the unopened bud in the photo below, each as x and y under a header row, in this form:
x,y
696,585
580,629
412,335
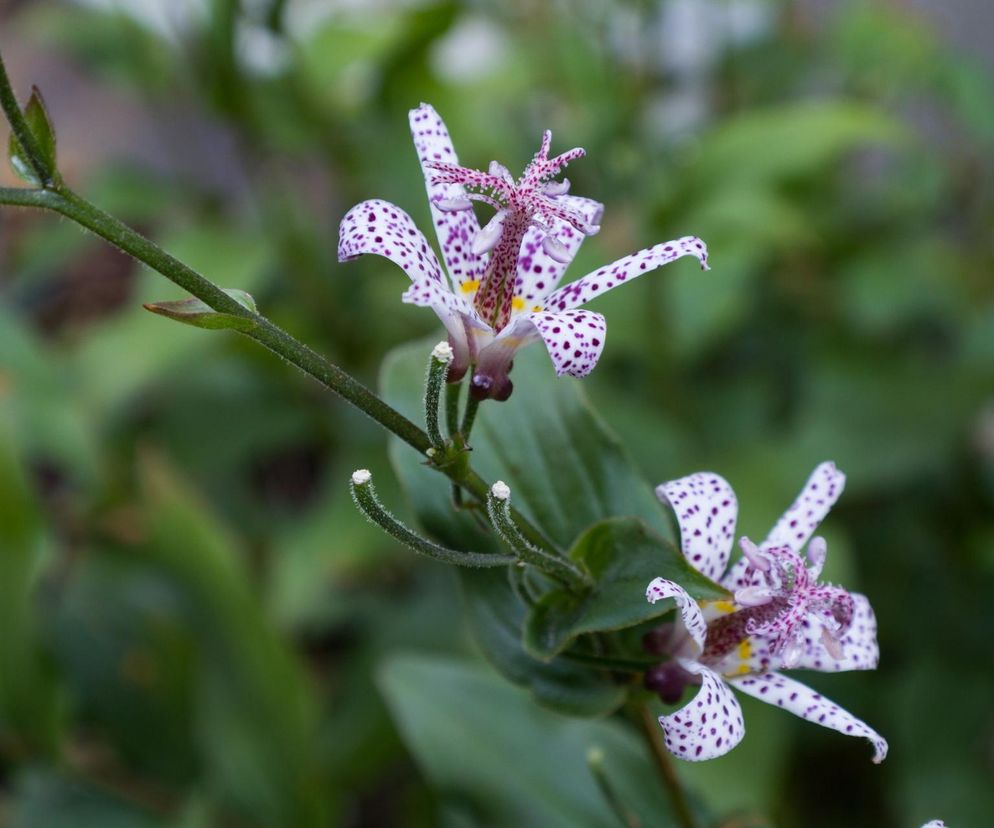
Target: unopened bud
x,y
443,352
500,490
361,476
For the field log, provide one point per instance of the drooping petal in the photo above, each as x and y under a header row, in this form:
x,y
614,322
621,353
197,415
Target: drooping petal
x,y
610,276
813,503
456,229
690,613
573,338
706,510
538,272
860,650
710,725
801,700
431,294
384,229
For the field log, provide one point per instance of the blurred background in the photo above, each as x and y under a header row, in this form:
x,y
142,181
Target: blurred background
x,y
196,629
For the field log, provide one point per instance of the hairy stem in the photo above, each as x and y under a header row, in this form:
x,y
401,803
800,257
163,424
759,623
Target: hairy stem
x,y
72,206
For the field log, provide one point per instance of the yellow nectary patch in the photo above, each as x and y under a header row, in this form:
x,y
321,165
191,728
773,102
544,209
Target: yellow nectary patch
x,y
470,286
517,303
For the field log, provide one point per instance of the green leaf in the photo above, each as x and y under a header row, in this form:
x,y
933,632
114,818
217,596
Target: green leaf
x,y
566,471
200,315
623,556
28,704
497,760
41,128
497,616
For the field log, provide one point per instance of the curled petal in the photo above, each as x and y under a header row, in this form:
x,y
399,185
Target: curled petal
x,y
456,229
574,338
710,725
455,312
382,228
693,619
610,276
802,701
538,271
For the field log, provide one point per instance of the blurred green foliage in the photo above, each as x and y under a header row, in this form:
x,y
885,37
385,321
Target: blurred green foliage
x,y
197,629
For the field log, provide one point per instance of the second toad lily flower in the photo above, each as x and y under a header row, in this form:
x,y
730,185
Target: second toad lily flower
x,y
501,291
780,617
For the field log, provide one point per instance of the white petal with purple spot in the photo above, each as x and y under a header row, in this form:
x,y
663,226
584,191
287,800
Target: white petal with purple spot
x,y
710,725
456,229
812,505
573,338
860,650
538,272
802,701
706,510
610,276
693,620
383,229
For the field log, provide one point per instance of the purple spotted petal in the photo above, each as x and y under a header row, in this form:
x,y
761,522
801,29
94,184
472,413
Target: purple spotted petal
x,y
538,272
860,650
802,701
449,307
706,510
813,503
710,725
610,276
384,229
573,338
456,229
797,524
693,620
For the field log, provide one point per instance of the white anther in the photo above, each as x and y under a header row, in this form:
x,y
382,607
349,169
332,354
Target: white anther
x,y
556,188
817,552
792,653
500,490
756,557
555,249
753,596
443,352
498,170
490,234
453,205
832,644
361,477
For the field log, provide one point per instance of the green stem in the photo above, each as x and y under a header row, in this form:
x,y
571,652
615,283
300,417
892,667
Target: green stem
x,y
369,504
22,132
452,390
70,205
469,417
654,739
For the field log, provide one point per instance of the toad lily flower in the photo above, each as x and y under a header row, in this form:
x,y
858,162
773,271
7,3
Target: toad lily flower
x,y
780,617
501,291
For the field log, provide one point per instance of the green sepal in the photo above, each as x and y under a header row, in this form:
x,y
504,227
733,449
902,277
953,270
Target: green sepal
x,y
200,315
36,114
622,555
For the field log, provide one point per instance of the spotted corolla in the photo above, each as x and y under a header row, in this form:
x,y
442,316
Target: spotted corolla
x,y
780,617
502,287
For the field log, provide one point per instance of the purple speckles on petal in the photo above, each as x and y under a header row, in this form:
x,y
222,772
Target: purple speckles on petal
x,y
802,701
708,726
706,511
588,287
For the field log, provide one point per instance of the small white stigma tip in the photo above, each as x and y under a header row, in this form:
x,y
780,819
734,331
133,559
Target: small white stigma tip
x,y
442,352
500,490
361,476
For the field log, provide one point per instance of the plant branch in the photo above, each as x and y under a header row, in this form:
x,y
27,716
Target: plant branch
x,y
652,733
